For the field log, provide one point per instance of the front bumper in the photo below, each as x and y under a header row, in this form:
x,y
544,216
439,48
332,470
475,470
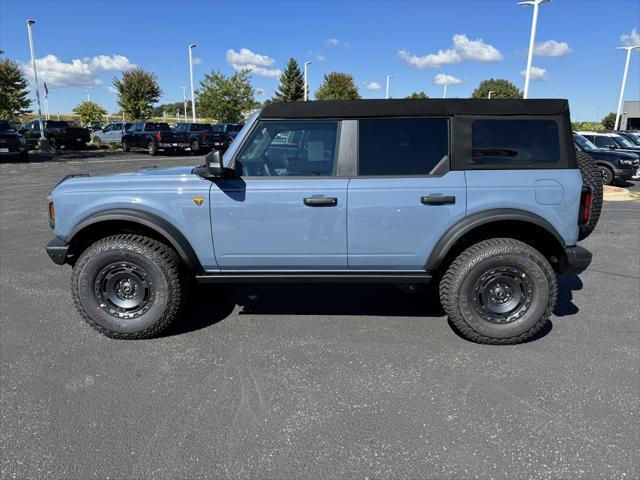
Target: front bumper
x,y
57,250
575,260
624,174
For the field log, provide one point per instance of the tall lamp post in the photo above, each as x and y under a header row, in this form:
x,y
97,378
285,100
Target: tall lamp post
x,y
532,39
624,81
193,100
43,143
184,101
444,95
389,77
306,82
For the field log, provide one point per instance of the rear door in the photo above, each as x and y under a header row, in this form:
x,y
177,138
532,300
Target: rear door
x,y
404,197
287,210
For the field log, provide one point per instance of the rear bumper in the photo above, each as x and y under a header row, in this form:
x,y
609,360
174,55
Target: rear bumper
x,y
173,145
57,250
575,260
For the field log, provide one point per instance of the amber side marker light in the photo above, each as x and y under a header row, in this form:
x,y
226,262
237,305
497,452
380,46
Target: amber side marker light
x,y
52,214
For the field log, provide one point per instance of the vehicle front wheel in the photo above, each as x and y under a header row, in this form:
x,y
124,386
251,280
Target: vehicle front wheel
x,y
499,291
125,146
195,146
97,141
129,286
607,175
152,148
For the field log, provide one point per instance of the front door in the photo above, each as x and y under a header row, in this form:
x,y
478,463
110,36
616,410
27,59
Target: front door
x,y
286,210
404,198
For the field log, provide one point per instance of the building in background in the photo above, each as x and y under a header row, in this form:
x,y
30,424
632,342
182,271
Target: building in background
x,y
630,116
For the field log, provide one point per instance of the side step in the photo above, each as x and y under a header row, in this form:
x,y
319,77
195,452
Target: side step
x,y
315,277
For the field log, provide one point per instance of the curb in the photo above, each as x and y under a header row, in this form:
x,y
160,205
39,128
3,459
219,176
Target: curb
x,y
617,194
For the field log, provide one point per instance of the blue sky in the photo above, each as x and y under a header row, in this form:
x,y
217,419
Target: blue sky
x,y
82,45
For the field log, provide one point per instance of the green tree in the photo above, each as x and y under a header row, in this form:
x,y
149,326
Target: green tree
x,y
137,92
338,86
13,90
417,95
226,99
498,87
609,121
89,112
291,88
171,109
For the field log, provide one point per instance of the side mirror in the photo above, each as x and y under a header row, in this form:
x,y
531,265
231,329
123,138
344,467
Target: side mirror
x,y
213,162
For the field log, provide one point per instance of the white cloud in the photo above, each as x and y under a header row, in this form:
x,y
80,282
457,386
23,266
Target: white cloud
x,y
630,39
372,85
463,49
537,73
551,48
334,42
79,72
444,79
320,57
245,59
197,61
112,89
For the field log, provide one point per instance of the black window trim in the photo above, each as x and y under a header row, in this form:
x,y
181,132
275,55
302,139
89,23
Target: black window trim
x,y
439,173
462,147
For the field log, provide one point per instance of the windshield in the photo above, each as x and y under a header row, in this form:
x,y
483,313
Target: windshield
x,y
583,143
622,142
231,151
633,137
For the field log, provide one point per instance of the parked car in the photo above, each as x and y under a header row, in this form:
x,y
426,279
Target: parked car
x,y
202,137
611,141
457,192
615,166
153,136
632,135
112,133
232,129
59,133
12,144
94,126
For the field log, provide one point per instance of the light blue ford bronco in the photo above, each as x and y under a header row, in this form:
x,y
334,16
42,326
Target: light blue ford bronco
x,y
488,198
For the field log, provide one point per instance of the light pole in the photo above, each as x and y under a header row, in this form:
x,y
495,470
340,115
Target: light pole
x,y
624,81
43,143
389,77
193,100
184,102
532,39
445,90
306,82
490,92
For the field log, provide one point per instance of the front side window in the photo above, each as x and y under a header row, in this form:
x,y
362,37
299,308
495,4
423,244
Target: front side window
x,y
402,146
514,142
290,149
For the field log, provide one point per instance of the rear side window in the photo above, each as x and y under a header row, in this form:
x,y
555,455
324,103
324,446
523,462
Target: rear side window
x,y
514,142
402,146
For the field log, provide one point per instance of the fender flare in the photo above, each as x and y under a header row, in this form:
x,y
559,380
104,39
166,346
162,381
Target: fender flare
x,y
467,224
159,225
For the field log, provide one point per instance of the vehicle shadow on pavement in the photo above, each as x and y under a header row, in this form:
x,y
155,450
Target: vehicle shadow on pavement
x,y
566,286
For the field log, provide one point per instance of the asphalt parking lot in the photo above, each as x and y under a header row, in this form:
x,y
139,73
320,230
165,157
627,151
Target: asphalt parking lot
x,y
310,381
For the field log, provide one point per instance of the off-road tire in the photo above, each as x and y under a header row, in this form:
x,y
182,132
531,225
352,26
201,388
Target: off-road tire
x,y
152,148
458,291
591,177
164,276
125,146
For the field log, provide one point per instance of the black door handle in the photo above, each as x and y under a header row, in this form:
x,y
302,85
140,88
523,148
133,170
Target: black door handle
x,y
438,200
320,201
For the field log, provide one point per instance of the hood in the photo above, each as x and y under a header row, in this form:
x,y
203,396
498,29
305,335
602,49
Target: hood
x,y
160,171
611,154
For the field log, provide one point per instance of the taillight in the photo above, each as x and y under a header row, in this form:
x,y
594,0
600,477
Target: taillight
x,y
158,137
585,205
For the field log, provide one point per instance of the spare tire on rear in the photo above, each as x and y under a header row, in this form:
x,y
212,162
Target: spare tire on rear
x,y
591,177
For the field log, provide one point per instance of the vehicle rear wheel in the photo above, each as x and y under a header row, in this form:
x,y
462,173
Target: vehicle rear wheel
x,y
591,177
195,146
499,291
152,148
125,146
128,286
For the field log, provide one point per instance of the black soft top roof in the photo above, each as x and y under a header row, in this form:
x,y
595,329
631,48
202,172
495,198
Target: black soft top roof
x,y
414,108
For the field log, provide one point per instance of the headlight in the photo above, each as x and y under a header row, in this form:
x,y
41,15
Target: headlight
x,y
626,162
